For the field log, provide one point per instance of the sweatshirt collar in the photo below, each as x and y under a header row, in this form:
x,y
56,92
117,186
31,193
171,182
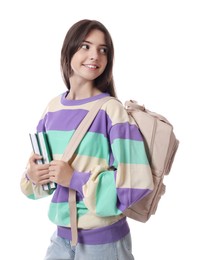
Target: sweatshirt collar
x,y
70,102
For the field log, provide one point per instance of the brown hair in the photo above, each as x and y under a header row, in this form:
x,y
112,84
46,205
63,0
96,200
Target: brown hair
x,y
73,39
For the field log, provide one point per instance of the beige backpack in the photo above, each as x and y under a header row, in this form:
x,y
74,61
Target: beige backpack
x,y
161,146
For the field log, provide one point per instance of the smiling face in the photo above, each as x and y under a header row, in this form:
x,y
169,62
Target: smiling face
x,y
80,40
90,60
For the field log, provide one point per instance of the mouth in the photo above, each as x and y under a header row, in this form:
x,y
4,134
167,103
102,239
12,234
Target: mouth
x,y
91,66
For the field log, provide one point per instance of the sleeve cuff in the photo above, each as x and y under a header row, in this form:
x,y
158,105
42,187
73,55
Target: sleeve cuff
x,y
28,179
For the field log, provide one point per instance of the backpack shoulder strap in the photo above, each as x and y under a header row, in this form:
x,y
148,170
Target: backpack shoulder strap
x,y
68,153
82,129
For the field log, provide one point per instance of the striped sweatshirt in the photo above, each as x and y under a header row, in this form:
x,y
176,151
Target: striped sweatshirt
x,y
103,193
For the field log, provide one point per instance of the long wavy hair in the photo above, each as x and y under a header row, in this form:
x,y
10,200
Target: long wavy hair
x,y
73,40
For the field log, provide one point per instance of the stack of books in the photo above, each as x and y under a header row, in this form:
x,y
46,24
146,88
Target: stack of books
x,y
41,146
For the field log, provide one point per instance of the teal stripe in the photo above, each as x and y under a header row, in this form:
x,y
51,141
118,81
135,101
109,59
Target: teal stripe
x,y
59,212
106,196
58,140
129,151
31,196
93,144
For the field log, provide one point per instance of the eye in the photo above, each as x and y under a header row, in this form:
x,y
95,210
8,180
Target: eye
x,y
103,50
84,46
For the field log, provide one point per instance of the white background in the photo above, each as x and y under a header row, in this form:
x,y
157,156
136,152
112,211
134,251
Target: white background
x,y
156,63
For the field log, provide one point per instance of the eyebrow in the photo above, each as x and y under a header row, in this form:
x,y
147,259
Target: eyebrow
x,y
104,45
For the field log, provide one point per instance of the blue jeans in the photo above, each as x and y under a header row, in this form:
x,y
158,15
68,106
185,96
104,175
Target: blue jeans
x,y
61,248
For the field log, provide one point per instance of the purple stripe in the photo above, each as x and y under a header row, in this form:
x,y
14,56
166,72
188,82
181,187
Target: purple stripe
x,y
61,195
127,197
67,120
41,126
98,236
78,180
125,131
62,120
101,124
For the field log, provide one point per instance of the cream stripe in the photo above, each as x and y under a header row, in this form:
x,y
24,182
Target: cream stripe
x,y
116,111
83,163
90,220
134,176
128,176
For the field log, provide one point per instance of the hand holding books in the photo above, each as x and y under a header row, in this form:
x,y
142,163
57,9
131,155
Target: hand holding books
x,y
40,146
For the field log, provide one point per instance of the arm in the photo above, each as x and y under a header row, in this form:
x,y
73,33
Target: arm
x,y
33,178
35,175
107,192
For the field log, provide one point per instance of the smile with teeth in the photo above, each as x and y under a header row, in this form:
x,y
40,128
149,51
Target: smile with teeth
x,y
91,66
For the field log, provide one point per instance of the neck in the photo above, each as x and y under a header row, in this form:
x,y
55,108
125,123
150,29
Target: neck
x,y
73,95
81,91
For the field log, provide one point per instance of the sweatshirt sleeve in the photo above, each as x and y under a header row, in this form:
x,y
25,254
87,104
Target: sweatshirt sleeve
x,y
108,192
28,188
32,191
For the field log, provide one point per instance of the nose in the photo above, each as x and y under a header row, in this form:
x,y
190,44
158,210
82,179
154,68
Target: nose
x,y
93,54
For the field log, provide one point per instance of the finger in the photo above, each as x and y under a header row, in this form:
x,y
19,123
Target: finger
x,y
53,162
43,167
35,157
53,179
44,182
52,167
52,173
56,162
44,172
44,177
